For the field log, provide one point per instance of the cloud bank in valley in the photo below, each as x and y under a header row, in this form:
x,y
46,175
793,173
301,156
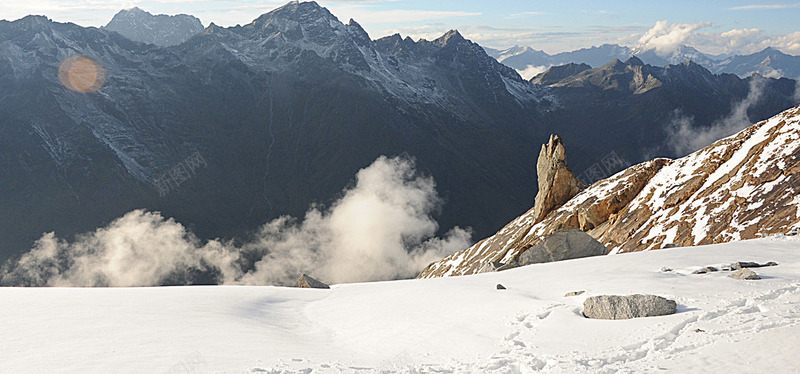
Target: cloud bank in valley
x,y
381,228
531,71
684,137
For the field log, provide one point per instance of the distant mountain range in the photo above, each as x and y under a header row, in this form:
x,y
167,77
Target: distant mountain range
x,y
769,62
239,125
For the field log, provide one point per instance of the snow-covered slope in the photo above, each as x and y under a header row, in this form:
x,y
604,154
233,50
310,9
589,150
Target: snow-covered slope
x,y
734,189
444,325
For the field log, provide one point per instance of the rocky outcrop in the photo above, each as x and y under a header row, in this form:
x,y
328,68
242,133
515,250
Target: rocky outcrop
x,y
627,307
565,244
307,282
737,188
557,184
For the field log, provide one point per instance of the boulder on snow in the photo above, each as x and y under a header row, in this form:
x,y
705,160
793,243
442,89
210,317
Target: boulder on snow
x,y
510,265
627,307
490,267
308,282
747,264
564,244
707,269
744,274
500,287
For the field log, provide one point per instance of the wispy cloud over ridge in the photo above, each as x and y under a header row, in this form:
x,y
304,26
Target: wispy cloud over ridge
x,y
768,6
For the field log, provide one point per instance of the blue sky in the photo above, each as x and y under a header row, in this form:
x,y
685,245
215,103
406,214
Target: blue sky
x,y
712,26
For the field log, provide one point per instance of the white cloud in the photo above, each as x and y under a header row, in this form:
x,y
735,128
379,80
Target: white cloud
x,y
664,37
684,137
531,71
380,229
797,92
526,14
746,41
769,6
370,15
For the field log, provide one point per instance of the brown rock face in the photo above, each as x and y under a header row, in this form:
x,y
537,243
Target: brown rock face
x,y
557,184
733,189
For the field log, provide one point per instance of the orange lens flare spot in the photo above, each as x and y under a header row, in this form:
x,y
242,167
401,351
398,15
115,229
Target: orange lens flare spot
x,y
81,74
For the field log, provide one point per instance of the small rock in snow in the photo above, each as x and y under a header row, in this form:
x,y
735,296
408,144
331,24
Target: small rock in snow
x,y
744,274
500,287
573,293
744,264
308,282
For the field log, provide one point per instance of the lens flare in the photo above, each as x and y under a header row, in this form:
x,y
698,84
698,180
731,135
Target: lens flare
x,y
81,74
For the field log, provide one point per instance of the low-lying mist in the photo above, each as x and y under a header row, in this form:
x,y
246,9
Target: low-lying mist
x,y
382,228
684,137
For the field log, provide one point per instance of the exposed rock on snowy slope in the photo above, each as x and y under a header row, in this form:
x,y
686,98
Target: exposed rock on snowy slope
x,y
731,190
307,282
557,184
161,30
564,244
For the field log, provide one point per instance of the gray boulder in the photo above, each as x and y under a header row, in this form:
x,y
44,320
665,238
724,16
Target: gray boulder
x,y
745,274
627,307
490,267
308,282
564,244
510,265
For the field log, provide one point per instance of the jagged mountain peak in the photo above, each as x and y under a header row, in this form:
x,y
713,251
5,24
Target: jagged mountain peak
x,y
359,34
32,21
162,30
135,9
450,37
634,61
555,74
614,65
305,12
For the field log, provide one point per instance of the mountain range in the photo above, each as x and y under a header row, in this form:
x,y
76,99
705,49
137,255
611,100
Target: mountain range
x,y
236,126
768,62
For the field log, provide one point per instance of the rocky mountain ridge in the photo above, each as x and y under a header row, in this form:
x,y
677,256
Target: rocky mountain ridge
x,y
283,111
768,62
737,188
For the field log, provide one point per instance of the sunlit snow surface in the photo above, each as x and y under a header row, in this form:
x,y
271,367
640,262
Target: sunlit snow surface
x,y
458,324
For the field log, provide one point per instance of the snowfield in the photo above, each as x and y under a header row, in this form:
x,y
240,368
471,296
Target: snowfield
x,y
442,325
